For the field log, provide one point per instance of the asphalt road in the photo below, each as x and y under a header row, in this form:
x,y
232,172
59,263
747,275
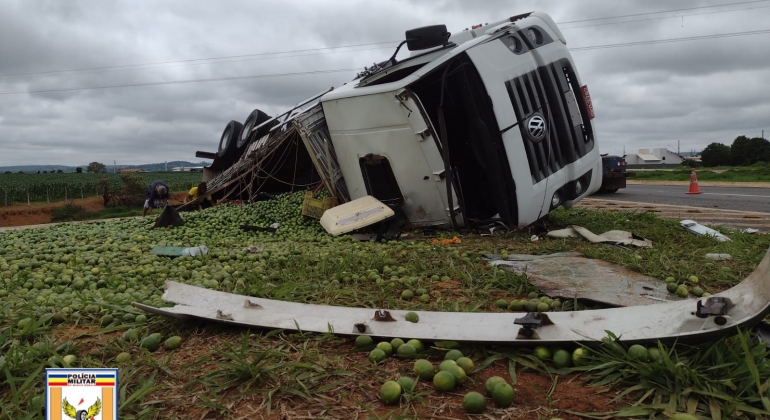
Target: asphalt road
x,y
728,198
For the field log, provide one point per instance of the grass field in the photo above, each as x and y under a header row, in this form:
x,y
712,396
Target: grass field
x,y
55,187
66,291
755,173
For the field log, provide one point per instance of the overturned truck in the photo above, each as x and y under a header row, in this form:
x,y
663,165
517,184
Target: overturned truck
x,y
489,124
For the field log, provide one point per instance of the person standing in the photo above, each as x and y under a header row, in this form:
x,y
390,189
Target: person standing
x,y
157,193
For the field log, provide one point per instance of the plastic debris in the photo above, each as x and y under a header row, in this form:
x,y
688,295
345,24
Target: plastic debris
x,y
452,241
195,251
615,237
718,257
699,229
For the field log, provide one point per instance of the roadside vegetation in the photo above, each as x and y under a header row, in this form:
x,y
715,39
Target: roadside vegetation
x,y
66,294
758,172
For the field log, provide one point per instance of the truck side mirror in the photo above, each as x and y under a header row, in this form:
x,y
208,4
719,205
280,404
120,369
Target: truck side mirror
x,y
427,37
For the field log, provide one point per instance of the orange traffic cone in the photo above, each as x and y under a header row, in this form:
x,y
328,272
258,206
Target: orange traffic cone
x,y
694,189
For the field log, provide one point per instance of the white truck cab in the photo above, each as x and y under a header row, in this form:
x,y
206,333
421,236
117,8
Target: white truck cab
x,y
490,124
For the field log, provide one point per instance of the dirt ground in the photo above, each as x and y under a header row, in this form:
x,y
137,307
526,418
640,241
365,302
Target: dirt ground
x,y
40,213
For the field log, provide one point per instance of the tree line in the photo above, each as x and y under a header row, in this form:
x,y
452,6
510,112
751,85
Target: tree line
x,y
744,151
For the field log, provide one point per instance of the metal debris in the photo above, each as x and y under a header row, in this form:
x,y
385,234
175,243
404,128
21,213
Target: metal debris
x,y
699,229
614,237
718,257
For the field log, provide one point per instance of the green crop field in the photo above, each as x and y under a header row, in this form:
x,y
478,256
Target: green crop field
x,y
66,296
57,187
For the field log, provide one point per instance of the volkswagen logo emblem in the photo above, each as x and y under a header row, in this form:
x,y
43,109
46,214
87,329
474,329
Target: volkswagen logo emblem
x,y
536,127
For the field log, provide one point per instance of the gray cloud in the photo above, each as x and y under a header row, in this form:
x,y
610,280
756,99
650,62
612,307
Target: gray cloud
x,y
695,92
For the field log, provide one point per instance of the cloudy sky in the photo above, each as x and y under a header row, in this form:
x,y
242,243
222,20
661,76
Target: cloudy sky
x,y
651,95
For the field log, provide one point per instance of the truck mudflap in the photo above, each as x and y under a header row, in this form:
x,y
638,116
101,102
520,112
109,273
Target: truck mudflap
x,y
744,305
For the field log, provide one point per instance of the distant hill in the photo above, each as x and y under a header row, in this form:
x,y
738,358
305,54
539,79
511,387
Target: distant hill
x,y
149,167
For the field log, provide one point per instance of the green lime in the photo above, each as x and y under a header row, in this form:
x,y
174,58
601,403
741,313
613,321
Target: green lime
x,y
697,291
424,369
638,352
386,347
420,292
502,395
377,356
516,305
531,306
173,343
492,382
396,343
562,359
363,341
459,374
670,280
407,383
417,344
150,343
106,320
693,279
532,295
682,291
580,356
444,381
453,355
390,392
543,307
543,353
466,363
412,317
446,364
654,355
407,295
425,298
406,351
474,403
671,287
122,357
501,303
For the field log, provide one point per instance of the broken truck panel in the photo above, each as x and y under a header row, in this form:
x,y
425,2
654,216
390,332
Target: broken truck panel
x,y
355,214
570,275
744,305
492,124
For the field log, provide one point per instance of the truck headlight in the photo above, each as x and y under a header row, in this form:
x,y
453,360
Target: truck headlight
x,y
555,200
578,187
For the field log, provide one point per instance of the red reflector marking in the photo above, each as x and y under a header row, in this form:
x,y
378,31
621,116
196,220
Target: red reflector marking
x,y
587,100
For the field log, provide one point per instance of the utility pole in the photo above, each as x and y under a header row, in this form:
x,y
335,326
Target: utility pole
x,y
677,148
114,169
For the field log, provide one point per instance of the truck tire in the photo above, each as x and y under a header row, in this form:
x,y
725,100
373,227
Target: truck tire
x,y
228,149
254,119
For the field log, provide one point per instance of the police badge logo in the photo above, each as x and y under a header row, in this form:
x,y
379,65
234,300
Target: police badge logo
x,y
81,394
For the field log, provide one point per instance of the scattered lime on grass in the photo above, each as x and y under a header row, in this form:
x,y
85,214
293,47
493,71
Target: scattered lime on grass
x,y
531,305
140,319
543,353
425,298
638,352
406,351
532,295
466,363
501,303
106,320
671,287
670,280
363,341
562,359
390,392
502,395
474,403
386,347
407,383
69,360
693,279
131,335
446,364
444,381
377,356
682,291
697,291
580,356
458,373
407,295
453,355
424,369
122,357
412,317
654,355
150,343
172,343
396,343
417,344
490,384
420,292
543,307
516,305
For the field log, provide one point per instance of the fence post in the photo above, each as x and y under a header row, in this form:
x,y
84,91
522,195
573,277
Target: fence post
x,y
5,193
81,193
65,194
47,199
27,197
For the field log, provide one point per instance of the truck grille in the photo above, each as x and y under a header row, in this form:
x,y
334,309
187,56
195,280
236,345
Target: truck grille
x,y
549,91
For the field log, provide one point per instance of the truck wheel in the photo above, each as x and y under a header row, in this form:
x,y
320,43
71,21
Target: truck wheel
x,y
254,119
228,148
